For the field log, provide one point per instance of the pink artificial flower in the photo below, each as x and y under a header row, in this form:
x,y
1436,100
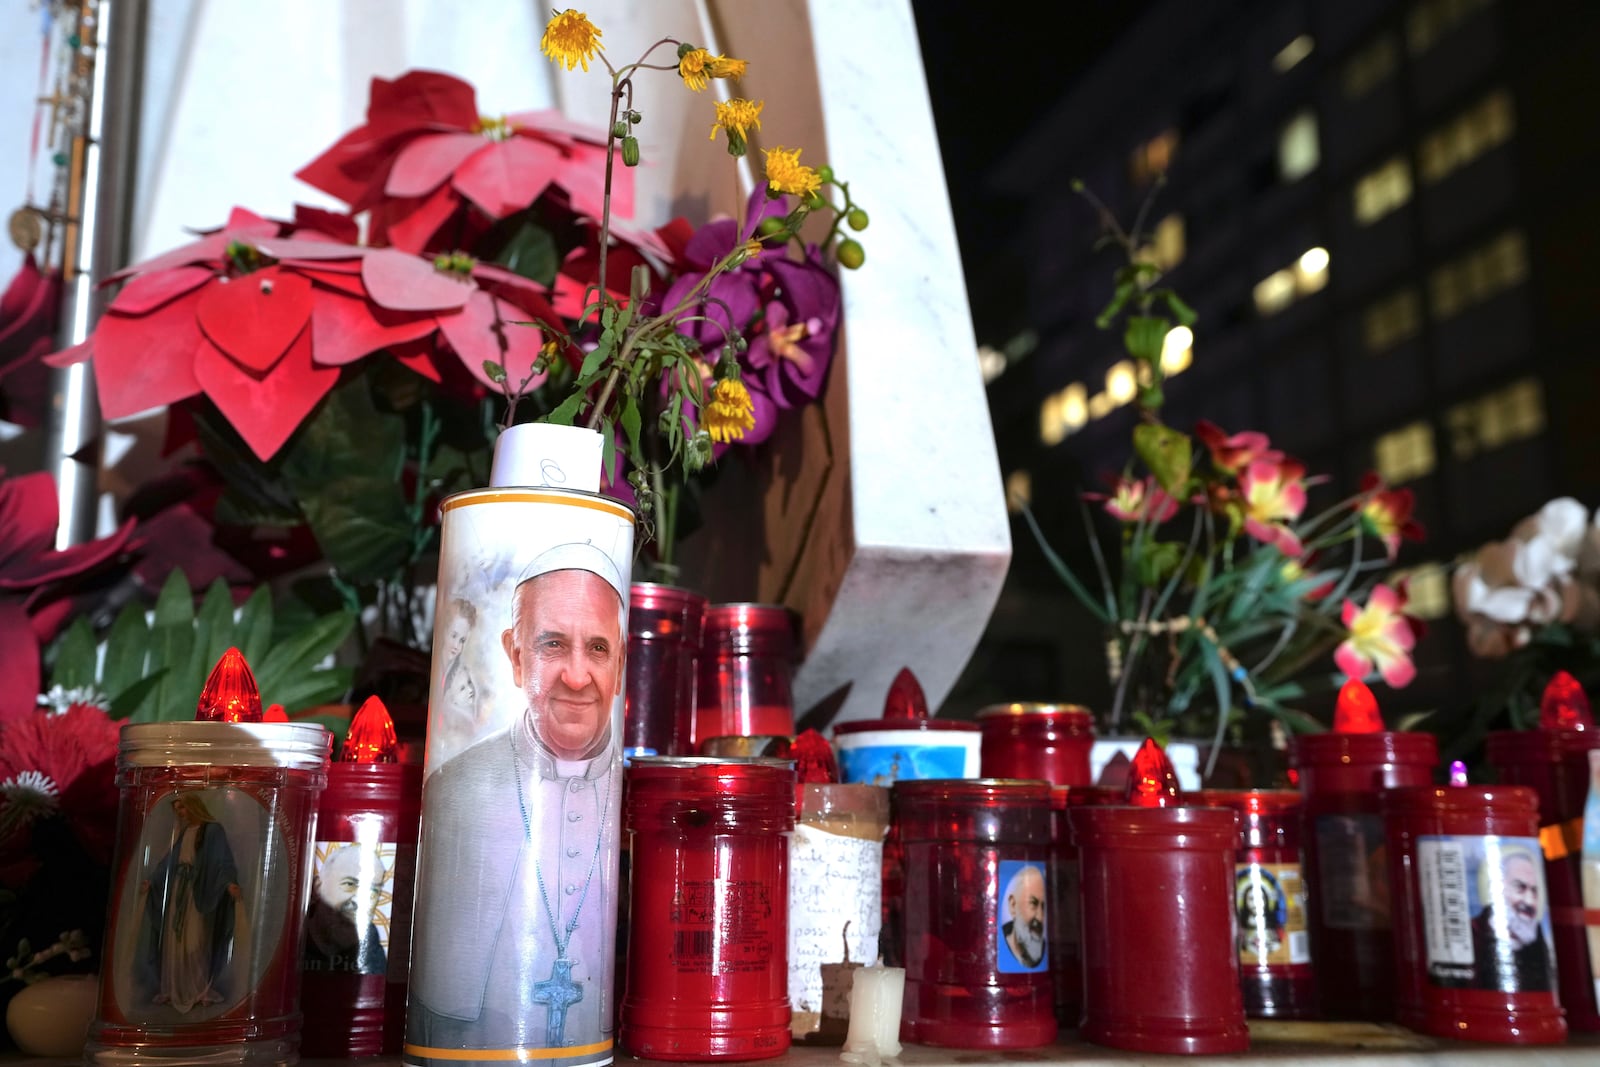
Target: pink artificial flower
x,y
1274,494
1381,638
1386,514
1232,454
1137,500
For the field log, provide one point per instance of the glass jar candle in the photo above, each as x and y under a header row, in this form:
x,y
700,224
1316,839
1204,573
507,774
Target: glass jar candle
x,y
1269,903
977,860
747,660
1473,951
835,902
664,625
358,924
708,939
1037,741
1342,776
201,962
1066,898
1160,962
1554,763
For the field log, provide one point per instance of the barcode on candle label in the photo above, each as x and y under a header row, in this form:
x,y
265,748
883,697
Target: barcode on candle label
x,y
1446,920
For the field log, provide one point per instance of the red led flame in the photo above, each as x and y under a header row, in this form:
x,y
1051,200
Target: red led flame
x,y
371,738
814,763
1565,706
1357,710
274,713
230,694
1152,783
905,698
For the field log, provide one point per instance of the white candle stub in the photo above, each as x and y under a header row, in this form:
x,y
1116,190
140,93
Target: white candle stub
x,y
875,998
541,454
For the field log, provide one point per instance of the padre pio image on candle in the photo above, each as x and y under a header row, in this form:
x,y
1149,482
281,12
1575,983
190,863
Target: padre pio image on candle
x,y
1022,942
515,921
352,897
202,907
1486,914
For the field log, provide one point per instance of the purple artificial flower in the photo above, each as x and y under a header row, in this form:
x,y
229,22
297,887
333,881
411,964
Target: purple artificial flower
x,y
794,347
733,298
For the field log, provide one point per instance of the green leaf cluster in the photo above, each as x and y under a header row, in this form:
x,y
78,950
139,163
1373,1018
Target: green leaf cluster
x,y
153,664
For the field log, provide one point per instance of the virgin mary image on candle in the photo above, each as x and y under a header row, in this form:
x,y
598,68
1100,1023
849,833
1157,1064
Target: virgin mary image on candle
x,y
192,917
518,859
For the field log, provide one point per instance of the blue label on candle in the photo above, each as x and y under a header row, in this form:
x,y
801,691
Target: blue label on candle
x,y
1020,929
887,764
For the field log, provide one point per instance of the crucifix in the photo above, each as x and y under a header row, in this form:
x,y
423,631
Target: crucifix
x,y
558,993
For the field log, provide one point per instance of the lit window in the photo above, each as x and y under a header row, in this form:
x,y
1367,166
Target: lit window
x,y
1275,292
1177,351
1019,490
1121,385
1292,53
1063,412
1512,413
1485,125
1101,405
992,362
1391,320
1404,454
1432,19
1370,67
1427,591
1153,157
1166,247
1311,271
1298,152
1381,191
1486,271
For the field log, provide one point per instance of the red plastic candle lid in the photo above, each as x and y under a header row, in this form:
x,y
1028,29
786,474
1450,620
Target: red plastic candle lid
x,y
1072,720
230,694
1152,783
906,708
1564,705
1253,801
371,738
1472,801
1357,710
1389,747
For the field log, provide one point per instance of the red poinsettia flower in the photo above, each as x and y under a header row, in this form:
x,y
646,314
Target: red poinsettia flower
x,y
1386,514
427,163
260,318
34,578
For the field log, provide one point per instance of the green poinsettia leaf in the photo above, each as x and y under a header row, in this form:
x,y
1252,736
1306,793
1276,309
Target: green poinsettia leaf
x,y
127,645
76,656
531,251
171,642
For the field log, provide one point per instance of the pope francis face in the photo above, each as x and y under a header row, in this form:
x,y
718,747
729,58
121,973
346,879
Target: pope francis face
x,y
566,650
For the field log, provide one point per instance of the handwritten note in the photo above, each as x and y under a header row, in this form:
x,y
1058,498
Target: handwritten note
x,y
833,880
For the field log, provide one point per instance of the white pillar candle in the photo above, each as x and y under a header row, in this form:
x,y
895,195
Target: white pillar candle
x,y
875,998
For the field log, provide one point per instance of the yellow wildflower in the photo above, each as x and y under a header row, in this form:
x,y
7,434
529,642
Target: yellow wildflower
x,y
570,39
692,68
723,67
730,413
736,116
785,174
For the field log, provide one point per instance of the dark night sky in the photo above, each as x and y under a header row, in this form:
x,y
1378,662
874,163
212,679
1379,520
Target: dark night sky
x,y
993,73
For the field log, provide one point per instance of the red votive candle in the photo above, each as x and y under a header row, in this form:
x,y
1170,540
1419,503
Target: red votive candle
x,y
1553,761
1066,898
664,625
708,942
1037,741
358,925
1269,903
1342,774
747,659
977,858
1473,950
1160,964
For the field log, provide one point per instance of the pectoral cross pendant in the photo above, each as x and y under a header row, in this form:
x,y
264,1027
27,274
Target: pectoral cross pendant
x,y
557,993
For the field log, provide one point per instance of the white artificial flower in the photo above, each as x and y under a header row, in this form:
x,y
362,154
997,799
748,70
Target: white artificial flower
x,y
57,700
24,797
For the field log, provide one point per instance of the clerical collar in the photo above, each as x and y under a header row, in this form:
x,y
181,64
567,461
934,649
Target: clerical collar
x,y
546,765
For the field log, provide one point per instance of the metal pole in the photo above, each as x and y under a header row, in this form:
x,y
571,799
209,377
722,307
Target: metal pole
x,y
104,163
